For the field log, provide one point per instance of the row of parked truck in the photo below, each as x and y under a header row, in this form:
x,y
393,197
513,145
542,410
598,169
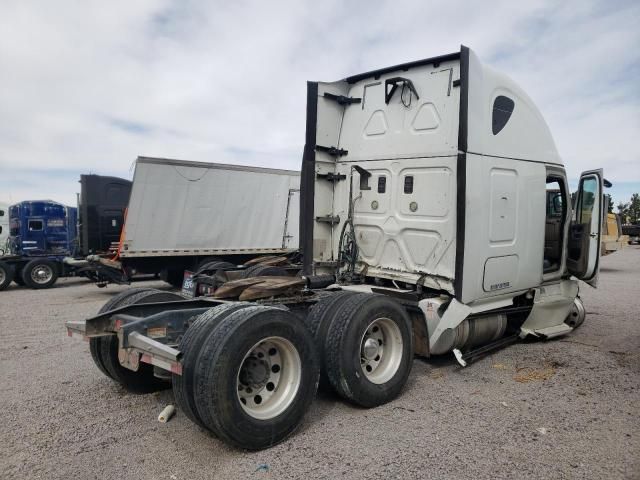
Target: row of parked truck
x,y
42,238
174,216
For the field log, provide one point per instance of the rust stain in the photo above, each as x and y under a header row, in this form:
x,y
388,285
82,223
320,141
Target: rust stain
x,y
530,374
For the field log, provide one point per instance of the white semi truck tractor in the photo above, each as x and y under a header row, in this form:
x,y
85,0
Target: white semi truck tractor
x,y
4,226
423,231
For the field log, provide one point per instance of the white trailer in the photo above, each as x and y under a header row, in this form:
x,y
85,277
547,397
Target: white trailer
x,y
425,229
184,213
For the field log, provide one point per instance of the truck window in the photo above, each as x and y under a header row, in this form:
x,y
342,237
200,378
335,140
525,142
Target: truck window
x,y
35,225
502,110
587,200
1,213
554,224
554,203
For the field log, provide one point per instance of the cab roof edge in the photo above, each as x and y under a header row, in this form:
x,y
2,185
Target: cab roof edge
x,y
404,66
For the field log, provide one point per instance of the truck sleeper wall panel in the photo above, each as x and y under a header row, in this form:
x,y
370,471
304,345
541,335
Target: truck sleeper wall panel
x,y
406,141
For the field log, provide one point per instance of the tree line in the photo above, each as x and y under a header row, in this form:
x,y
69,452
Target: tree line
x,y
630,212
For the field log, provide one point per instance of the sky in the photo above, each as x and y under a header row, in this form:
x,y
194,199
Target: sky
x,y
87,86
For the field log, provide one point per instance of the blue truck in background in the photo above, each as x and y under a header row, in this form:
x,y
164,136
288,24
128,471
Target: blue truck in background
x,y
42,234
42,227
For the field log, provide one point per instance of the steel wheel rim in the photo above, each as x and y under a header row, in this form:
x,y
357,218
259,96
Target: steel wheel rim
x,y
269,378
577,314
41,274
381,349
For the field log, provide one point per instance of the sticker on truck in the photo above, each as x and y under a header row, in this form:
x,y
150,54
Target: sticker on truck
x,y
188,286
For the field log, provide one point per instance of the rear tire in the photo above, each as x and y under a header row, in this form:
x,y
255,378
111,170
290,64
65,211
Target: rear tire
x,y
368,349
255,377
215,266
113,303
263,271
207,260
40,273
142,380
190,346
318,321
6,275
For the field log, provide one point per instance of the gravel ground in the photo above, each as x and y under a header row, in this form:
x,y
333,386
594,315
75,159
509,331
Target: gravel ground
x,y
567,408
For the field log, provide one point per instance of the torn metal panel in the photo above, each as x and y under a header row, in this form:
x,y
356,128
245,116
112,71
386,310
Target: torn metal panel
x,y
551,306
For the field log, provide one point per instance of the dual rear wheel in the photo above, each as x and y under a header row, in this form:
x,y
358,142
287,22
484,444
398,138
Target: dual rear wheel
x,y
104,350
249,374
366,346
38,273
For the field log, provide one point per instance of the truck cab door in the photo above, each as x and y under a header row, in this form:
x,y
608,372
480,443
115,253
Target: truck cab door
x,y
585,230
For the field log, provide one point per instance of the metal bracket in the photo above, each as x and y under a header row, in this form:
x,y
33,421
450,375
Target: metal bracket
x,y
341,99
394,82
364,177
149,345
456,83
332,177
333,151
329,219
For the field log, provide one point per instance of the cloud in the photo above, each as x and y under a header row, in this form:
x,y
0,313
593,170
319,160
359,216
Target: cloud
x,y
88,86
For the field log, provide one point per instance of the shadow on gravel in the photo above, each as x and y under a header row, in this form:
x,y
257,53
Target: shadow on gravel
x,y
438,360
60,284
609,269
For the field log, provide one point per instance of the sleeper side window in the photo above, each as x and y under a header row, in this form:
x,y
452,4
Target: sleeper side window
x,y
502,110
35,225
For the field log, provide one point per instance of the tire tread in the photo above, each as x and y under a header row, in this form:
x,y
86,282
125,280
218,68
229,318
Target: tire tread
x,y
190,346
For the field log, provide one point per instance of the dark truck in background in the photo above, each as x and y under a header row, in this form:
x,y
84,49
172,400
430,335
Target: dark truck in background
x,y
101,212
175,216
633,231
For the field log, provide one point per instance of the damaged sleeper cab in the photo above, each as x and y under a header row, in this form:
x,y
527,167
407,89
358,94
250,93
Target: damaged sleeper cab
x,y
435,217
